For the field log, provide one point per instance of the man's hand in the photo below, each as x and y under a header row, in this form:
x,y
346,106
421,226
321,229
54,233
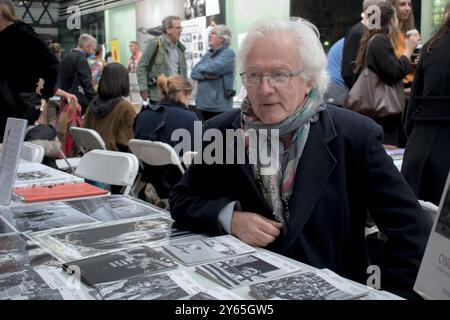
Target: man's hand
x,y
254,229
145,95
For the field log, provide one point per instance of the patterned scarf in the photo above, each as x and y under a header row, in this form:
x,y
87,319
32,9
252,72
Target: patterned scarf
x,y
277,181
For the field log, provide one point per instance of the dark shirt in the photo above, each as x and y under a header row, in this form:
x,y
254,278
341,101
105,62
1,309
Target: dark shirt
x,y
350,52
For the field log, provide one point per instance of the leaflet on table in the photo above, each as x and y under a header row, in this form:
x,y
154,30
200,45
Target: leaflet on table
x,y
42,283
315,285
85,241
246,270
36,174
208,249
164,286
120,265
215,293
43,216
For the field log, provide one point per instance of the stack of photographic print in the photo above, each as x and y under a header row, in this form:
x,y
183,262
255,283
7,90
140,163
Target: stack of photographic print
x,y
36,174
315,285
115,207
246,270
120,265
43,216
165,286
91,240
209,249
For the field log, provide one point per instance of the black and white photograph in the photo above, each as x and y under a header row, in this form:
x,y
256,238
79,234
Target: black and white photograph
x,y
122,265
167,286
91,241
209,249
43,216
37,174
305,286
244,270
26,285
32,175
443,223
17,253
116,207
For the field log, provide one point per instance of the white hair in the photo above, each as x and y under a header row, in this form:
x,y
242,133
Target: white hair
x,y
311,54
85,40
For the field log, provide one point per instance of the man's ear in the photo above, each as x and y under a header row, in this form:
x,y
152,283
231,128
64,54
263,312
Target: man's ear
x,y
308,87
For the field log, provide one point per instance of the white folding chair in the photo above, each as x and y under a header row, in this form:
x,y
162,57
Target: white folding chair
x,y
188,157
32,152
429,208
110,167
155,153
87,139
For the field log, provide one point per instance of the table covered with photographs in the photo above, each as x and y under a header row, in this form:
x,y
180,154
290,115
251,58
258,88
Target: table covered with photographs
x,y
117,247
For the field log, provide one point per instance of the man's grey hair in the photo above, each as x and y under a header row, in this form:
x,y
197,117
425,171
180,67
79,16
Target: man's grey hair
x,y
85,40
167,22
313,60
368,3
223,32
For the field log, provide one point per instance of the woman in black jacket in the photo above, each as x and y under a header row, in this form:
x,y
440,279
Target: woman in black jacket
x,y
377,51
158,122
24,59
426,162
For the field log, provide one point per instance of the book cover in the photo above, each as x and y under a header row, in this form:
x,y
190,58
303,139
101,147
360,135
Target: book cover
x,y
209,249
313,285
246,270
43,216
115,207
58,192
121,265
166,286
37,174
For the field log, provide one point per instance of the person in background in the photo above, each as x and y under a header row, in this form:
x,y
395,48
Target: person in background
x,y
24,60
55,48
96,64
74,73
158,122
163,55
311,199
426,162
337,90
215,75
109,113
351,44
377,52
135,56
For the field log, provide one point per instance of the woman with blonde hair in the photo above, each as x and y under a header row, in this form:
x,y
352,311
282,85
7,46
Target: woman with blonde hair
x,y
158,122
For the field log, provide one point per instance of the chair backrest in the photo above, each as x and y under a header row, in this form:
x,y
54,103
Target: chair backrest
x,y
155,153
110,167
32,152
429,208
188,157
87,139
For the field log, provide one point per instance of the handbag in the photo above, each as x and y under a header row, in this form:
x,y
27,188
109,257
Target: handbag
x,y
374,98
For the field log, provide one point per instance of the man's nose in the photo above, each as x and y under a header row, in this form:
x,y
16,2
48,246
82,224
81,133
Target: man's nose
x,y
265,85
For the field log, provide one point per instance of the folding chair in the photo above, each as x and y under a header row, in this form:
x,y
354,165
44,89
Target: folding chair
x,y
109,167
430,209
32,152
87,139
188,157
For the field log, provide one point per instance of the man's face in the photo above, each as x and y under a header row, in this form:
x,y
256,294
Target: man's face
x,y
276,53
133,48
90,49
215,41
174,32
404,9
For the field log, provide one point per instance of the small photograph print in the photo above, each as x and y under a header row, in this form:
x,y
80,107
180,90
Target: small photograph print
x,y
43,216
443,223
32,175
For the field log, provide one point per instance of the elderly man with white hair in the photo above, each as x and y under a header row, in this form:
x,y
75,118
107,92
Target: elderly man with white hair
x,y
332,169
215,75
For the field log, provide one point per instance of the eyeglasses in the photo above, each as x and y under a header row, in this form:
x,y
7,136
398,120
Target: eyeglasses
x,y
276,79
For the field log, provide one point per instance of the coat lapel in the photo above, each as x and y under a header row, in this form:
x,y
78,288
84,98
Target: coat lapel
x,y
314,169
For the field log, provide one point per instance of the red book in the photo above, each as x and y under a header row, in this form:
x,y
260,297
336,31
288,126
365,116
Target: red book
x,y
59,192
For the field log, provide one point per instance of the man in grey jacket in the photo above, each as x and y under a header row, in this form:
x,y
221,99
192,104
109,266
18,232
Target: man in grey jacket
x,y
215,75
162,55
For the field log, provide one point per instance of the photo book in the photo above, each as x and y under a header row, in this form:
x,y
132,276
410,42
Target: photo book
x,y
209,249
120,265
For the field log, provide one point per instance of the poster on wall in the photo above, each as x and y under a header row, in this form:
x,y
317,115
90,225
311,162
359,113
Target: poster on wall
x,y
212,7
433,280
115,51
195,39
